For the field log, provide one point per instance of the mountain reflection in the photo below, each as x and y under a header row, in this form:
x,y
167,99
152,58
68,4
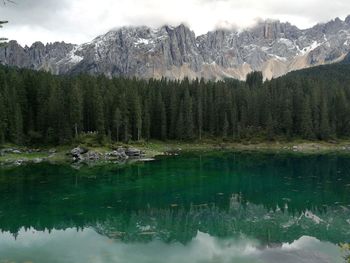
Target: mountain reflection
x,y
274,198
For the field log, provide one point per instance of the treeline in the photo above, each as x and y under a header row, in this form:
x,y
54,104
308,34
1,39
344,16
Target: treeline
x,y
38,107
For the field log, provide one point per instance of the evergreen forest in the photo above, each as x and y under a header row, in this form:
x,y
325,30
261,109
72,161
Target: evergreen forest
x,y
41,108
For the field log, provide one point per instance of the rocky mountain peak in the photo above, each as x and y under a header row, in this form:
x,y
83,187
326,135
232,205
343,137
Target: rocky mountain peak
x,y
271,46
347,19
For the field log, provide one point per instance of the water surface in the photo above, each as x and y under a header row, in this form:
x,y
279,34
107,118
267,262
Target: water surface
x,y
213,207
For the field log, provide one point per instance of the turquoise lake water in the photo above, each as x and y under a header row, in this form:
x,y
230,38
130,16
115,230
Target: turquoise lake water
x,y
212,207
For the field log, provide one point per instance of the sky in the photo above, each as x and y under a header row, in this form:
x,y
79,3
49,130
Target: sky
x,y
80,21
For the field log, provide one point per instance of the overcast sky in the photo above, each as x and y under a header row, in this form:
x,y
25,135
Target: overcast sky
x,y
79,21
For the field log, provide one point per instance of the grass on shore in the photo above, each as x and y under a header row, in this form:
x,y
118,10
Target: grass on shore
x,y
153,148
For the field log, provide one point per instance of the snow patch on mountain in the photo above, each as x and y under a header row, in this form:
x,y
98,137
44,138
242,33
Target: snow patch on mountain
x,y
309,48
143,41
73,57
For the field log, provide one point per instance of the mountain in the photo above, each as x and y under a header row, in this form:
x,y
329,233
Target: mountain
x,y
346,59
270,46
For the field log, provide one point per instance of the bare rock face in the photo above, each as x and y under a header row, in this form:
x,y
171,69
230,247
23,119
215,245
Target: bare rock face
x,y
272,47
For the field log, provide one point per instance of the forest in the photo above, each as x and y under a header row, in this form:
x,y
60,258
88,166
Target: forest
x,y
41,108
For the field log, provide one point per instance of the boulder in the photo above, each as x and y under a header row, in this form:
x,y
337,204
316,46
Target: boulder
x,y
115,154
92,156
133,152
120,155
18,162
51,151
78,158
121,149
7,150
78,151
11,150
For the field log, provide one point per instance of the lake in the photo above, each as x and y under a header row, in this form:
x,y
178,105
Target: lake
x,y
211,207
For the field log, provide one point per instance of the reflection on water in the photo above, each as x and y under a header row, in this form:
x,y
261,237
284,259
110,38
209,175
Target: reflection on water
x,y
88,246
229,200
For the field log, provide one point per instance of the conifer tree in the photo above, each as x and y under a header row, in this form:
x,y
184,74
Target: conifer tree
x,y
200,118
138,118
225,127
306,120
76,108
117,122
180,127
2,120
173,112
324,123
146,120
188,115
270,127
163,122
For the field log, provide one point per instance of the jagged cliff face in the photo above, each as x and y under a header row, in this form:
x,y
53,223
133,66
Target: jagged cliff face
x,y
271,47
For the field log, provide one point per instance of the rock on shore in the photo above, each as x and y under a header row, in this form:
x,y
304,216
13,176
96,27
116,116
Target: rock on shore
x,y
81,154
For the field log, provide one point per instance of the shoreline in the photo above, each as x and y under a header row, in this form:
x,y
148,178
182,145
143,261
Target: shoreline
x,y
11,155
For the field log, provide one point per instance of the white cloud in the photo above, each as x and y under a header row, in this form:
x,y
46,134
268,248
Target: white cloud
x,y
79,21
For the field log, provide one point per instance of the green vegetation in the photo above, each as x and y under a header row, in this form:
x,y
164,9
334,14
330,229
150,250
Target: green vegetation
x,y
27,156
38,108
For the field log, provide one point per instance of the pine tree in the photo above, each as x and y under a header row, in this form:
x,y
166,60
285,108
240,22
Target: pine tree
x,y
200,118
306,120
287,120
117,122
76,108
125,118
188,115
2,120
163,122
254,79
270,127
54,114
180,127
99,116
18,124
173,112
146,121
126,128
211,115
225,127
324,123
138,118
342,112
